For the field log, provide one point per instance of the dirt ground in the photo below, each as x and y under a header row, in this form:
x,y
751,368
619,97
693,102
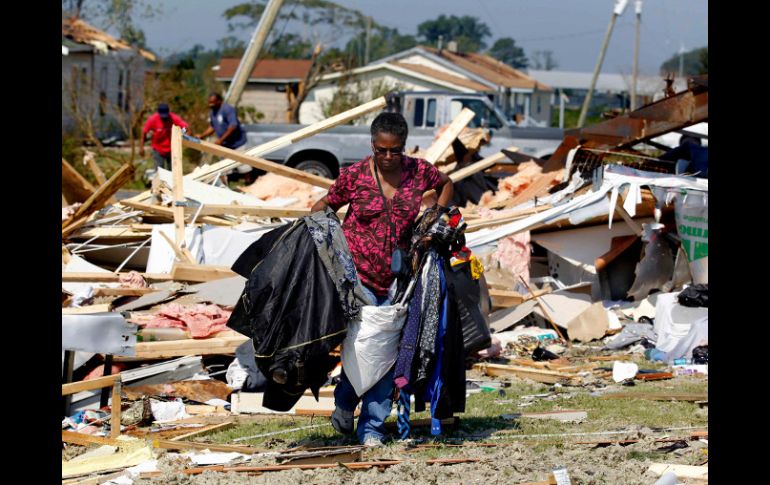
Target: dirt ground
x,y
517,457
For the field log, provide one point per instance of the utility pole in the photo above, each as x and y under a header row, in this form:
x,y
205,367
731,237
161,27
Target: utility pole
x,y
620,5
681,60
249,58
635,76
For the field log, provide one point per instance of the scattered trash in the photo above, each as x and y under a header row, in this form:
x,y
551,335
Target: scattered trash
x,y
624,370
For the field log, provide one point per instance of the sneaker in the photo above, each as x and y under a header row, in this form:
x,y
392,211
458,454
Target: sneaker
x,y
372,442
342,421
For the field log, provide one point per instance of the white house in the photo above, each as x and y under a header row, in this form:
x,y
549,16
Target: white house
x,y
425,68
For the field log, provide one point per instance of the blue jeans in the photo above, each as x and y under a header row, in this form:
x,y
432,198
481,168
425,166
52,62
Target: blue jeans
x,y
376,402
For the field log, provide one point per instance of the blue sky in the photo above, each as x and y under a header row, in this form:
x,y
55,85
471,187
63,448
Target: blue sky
x,y
572,29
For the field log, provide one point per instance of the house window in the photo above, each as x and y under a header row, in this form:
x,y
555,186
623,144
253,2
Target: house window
x,y
120,87
419,111
430,117
128,91
539,99
482,113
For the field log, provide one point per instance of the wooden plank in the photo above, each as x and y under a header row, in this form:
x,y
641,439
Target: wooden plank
x,y
103,193
659,396
635,226
545,310
86,439
205,429
189,445
538,186
483,164
302,133
180,255
97,480
617,246
444,141
115,410
544,376
251,210
98,383
200,272
84,310
122,233
73,226
123,291
89,158
168,212
177,171
505,298
294,137
470,170
657,376
181,348
257,162
511,298
74,187
326,456
71,277
505,218
601,358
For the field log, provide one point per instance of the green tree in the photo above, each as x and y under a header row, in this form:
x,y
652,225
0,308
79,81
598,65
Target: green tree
x,y
383,41
506,50
469,32
704,61
544,60
338,22
692,63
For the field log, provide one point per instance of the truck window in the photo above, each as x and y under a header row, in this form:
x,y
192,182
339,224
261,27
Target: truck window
x,y
482,111
419,109
430,117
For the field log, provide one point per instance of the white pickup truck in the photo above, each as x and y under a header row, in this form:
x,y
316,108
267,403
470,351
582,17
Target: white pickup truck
x,y
425,111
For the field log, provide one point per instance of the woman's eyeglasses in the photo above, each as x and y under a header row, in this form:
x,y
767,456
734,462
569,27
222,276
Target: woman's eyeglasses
x,y
383,151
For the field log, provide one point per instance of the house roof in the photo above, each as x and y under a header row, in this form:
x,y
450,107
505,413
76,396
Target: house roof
x,y
646,85
489,68
81,32
434,73
268,69
415,71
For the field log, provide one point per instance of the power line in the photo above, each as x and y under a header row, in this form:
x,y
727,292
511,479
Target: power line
x,y
574,34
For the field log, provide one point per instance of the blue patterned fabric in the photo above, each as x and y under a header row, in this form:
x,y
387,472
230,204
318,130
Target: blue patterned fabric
x,y
326,232
408,344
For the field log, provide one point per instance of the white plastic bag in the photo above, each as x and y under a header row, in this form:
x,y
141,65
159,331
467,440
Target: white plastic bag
x,y
236,375
371,345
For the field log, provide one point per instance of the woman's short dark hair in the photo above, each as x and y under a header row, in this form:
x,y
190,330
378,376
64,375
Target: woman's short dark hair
x,y
216,95
393,123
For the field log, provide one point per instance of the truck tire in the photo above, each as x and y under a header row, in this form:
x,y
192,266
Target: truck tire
x,y
316,168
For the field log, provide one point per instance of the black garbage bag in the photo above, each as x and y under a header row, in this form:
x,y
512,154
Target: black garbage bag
x,y
290,309
694,296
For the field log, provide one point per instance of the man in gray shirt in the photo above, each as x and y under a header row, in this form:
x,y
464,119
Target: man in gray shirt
x,y
224,121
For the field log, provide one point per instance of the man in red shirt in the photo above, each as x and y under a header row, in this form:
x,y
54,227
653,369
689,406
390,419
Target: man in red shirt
x,y
160,124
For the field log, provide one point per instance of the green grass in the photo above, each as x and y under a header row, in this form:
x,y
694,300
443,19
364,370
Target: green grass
x,y
482,418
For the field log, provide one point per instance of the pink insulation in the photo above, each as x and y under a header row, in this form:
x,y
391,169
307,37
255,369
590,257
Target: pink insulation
x,y
201,320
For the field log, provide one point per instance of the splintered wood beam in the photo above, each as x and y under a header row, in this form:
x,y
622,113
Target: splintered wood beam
x,y
295,136
447,137
74,187
102,194
177,171
257,162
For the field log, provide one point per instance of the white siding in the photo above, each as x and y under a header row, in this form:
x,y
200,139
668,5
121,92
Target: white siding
x,y
311,111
